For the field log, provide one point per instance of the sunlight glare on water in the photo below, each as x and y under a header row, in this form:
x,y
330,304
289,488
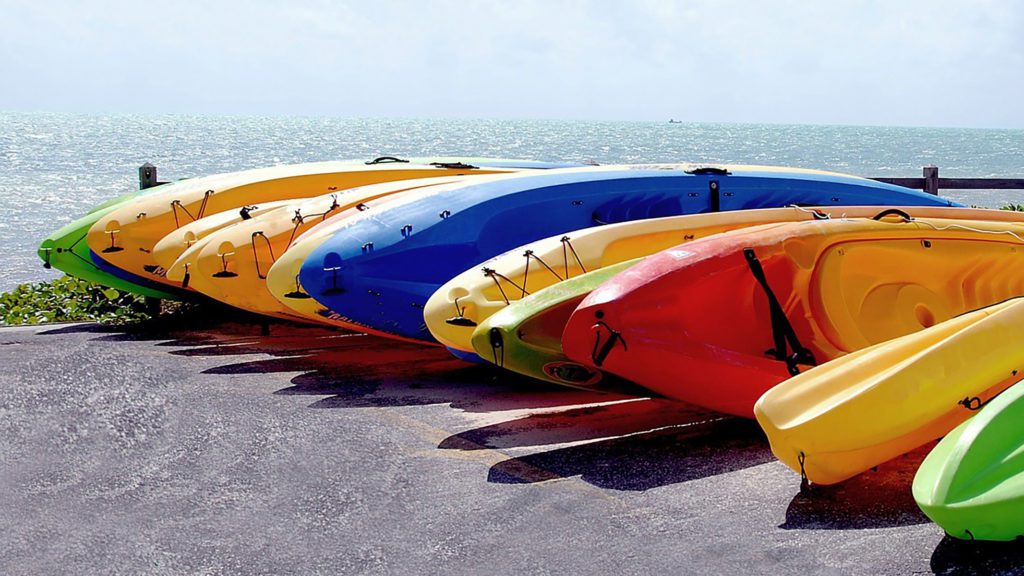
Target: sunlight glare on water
x,y
55,167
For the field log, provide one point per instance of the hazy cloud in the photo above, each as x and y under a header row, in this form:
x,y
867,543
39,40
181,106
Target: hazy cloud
x,y
910,62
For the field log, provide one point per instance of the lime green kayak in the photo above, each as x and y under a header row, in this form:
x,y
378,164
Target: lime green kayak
x,y
67,251
526,335
972,482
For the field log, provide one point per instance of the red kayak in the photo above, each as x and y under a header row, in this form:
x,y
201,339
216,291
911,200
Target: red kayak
x,y
720,320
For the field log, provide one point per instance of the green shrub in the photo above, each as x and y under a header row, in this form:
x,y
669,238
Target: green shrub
x,y
1013,207
69,299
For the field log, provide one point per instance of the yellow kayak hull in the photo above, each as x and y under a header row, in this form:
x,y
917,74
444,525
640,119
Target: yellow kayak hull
x,y
232,264
170,247
126,237
851,414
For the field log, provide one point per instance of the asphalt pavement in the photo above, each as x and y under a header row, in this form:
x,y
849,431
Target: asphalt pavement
x,y
221,451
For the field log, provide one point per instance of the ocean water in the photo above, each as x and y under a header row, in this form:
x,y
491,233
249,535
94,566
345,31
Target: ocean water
x,y
55,167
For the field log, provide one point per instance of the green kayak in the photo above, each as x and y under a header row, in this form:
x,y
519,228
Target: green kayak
x,y
972,482
526,335
67,251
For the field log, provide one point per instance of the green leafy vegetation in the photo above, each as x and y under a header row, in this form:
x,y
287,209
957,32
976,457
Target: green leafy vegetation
x,y
1013,207
69,299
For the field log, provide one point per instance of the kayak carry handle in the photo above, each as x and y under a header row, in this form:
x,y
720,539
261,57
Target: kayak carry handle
x,y
706,170
386,160
454,165
893,212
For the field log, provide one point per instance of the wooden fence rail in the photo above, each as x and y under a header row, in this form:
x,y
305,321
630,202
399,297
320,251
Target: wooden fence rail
x,y
931,182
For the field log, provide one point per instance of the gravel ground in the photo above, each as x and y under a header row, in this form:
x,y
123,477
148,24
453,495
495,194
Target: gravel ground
x,y
309,452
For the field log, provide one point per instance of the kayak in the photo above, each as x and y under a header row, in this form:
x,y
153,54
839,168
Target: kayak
x,y
972,482
170,247
283,278
379,272
856,412
466,300
528,330
526,336
719,321
124,238
67,251
232,264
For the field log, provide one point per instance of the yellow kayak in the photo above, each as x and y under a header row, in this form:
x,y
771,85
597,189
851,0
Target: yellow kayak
x,y
232,264
170,247
848,415
125,238
467,300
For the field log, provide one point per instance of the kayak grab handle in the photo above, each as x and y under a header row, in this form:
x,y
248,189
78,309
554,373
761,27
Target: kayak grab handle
x,y
704,170
454,165
385,160
893,212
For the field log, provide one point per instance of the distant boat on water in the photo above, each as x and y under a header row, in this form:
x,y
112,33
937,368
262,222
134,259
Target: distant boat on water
x,y
671,121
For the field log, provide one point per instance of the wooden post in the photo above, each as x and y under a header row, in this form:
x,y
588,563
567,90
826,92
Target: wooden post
x,y
153,306
147,176
931,179
147,179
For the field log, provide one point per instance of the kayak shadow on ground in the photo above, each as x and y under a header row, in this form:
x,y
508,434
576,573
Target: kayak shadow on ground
x,y
574,424
426,378
878,498
954,556
165,333
348,370
637,462
84,328
631,443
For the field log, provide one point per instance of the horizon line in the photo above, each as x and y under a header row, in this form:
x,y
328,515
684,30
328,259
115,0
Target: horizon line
x,y
314,116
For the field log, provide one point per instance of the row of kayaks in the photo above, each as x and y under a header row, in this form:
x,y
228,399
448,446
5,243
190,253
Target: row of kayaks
x,y
855,320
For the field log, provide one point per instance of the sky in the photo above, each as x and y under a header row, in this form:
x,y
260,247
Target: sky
x,y
895,62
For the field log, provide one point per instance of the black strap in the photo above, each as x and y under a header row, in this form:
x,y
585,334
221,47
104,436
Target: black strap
x,y
716,201
497,346
783,335
600,352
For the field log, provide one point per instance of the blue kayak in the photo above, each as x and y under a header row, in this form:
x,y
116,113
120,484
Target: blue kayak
x,y
379,271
